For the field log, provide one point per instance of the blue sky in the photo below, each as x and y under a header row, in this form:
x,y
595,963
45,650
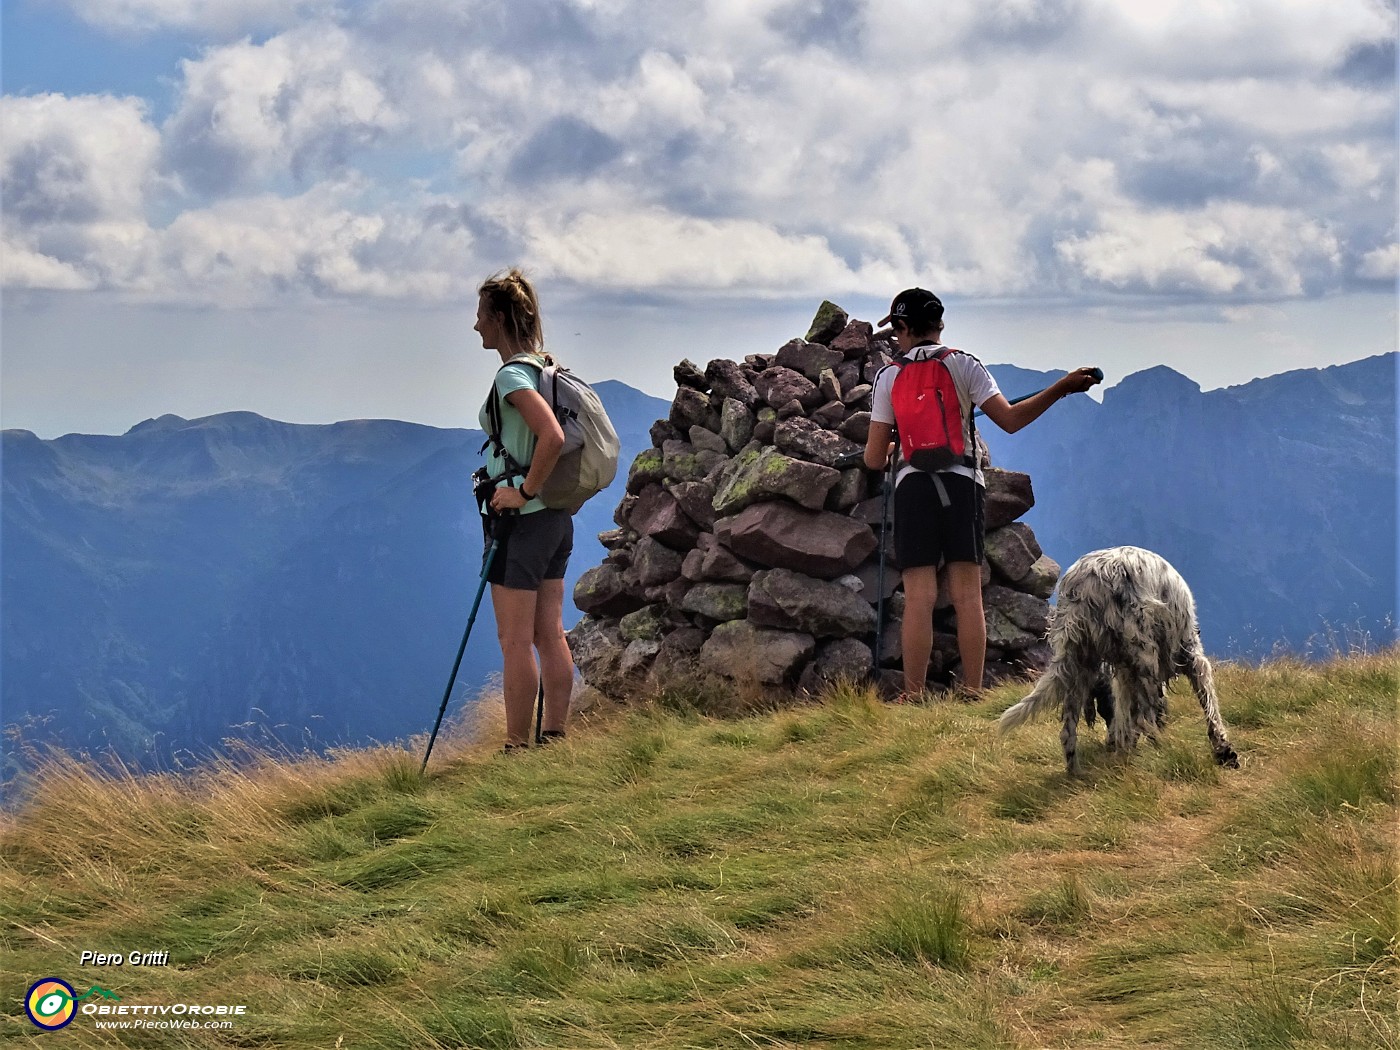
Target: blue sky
x,y
286,205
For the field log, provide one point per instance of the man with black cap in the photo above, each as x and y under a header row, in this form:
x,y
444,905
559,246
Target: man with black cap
x,y
938,510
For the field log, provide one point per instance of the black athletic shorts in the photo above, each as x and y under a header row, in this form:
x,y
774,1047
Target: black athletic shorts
x,y
534,547
928,533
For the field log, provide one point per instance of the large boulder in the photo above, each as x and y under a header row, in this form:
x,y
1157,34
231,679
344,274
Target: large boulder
x,y
696,499
829,322
604,590
646,468
649,623
811,359
678,652
1009,496
1004,635
752,477
727,380
1012,550
842,660
794,601
654,564
778,386
717,601
806,439
688,374
718,563
854,340
1026,611
742,651
658,514
692,407
783,536
1042,577
736,423
597,646
682,461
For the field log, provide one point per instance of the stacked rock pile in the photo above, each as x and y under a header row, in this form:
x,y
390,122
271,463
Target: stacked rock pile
x,y
744,551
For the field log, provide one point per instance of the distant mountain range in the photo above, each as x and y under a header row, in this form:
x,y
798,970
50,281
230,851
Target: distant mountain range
x,y
194,580
1275,499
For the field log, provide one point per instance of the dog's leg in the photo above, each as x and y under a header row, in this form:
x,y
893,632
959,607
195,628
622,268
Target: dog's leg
x,y
1147,696
1102,695
1080,672
1069,733
1197,670
1120,726
1132,709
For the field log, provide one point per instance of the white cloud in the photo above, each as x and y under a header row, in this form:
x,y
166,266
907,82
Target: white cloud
x,y
299,104
320,243
216,16
78,178
1381,264
74,160
1212,38
654,250
1273,108
1202,147
1222,250
22,267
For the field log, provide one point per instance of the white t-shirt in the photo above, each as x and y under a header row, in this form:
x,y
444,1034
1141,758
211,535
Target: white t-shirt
x,y
975,386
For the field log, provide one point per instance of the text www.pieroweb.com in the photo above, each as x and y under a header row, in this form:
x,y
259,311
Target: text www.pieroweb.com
x,y
149,1023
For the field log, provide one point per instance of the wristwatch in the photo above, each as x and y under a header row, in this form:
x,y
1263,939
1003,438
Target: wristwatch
x,y
527,495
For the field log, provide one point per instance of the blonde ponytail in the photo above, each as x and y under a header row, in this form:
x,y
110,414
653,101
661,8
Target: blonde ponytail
x,y
511,295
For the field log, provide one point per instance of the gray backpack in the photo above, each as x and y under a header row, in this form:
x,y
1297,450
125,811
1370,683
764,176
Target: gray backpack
x,y
588,462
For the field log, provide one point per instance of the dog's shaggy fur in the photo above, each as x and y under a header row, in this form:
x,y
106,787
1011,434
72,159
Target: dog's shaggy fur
x,y
1127,613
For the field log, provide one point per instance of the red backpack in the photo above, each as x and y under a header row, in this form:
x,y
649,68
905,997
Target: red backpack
x,y
928,415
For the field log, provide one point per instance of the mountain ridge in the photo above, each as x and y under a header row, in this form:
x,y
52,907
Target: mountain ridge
x,y
181,577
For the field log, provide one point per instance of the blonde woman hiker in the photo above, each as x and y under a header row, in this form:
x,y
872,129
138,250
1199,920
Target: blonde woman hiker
x,y
527,572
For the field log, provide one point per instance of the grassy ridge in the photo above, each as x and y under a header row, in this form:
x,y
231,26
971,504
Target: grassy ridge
x,y
847,874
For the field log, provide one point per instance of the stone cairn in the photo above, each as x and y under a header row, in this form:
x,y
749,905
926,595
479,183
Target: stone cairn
x,y
742,550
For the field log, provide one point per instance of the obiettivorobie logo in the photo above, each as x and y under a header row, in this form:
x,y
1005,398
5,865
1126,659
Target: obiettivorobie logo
x,y
52,1003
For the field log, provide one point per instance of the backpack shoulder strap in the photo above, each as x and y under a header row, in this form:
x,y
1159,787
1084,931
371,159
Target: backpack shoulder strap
x,y
493,415
969,460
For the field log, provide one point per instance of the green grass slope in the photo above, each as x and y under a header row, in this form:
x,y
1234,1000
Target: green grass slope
x,y
844,874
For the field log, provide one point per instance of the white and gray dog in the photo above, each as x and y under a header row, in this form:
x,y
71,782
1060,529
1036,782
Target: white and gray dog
x,y
1124,613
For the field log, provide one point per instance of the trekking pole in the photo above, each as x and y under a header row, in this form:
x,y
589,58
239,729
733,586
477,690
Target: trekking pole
x,y
857,459
887,488
461,649
539,712
1097,373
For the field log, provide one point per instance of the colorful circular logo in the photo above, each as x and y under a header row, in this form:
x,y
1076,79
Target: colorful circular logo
x,y
50,1003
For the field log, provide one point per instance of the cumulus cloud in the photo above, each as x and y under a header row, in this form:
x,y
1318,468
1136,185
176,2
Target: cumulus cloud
x,y
655,250
250,248
74,160
1221,250
1381,264
215,16
301,103
1047,147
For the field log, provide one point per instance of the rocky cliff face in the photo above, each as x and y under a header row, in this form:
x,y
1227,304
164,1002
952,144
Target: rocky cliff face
x,y
744,547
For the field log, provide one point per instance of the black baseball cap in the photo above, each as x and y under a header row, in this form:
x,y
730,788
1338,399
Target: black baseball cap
x,y
918,305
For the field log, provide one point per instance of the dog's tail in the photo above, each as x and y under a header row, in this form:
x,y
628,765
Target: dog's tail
x,y
1048,695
